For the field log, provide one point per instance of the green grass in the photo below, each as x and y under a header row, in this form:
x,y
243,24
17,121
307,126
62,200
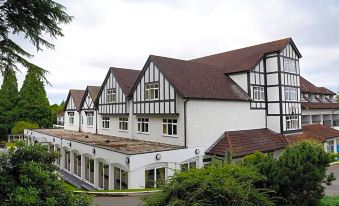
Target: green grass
x,y
330,201
71,187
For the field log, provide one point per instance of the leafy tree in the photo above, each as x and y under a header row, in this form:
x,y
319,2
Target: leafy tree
x,y
298,175
55,109
9,96
20,126
28,177
218,184
33,105
32,18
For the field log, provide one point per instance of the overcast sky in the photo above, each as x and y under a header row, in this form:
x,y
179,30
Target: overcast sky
x,y
122,33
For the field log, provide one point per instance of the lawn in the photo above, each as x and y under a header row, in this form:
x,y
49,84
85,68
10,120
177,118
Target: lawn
x,y
330,201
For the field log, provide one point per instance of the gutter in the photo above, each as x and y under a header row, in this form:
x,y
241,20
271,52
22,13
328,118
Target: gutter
x,y
185,120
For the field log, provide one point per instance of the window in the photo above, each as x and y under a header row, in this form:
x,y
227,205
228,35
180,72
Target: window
x,y
89,169
330,146
105,122
70,118
292,122
152,91
77,164
120,179
58,160
143,125
123,124
291,94
103,175
169,127
111,95
188,165
154,177
289,65
258,93
67,160
89,118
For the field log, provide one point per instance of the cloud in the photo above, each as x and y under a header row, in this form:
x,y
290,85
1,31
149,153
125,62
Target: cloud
x,y
123,33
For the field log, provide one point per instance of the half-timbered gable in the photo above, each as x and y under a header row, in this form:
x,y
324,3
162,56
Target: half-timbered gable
x,y
90,96
257,86
113,95
153,93
88,112
72,109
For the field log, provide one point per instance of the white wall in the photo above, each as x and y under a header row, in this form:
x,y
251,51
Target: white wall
x,y
207,120
155,126
75,126
113,129
84,127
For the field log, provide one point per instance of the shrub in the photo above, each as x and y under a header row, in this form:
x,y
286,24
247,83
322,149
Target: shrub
x,y
298,175
218,184
20,126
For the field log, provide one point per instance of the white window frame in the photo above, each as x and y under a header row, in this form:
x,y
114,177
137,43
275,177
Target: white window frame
x,y
258,93
290,65
155,178
151,91
111,95
71,118
143,125
123,124
105,122
291,94
90,119
169,125
292,122
188,165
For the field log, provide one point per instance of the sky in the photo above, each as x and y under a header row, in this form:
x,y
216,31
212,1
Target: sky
x,y
123,33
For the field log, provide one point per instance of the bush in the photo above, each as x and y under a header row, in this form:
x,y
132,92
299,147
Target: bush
x,y
20,126
28,177
218,184
3,132
298,175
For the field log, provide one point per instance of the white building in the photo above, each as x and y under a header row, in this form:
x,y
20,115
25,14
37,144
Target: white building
x,y
177,114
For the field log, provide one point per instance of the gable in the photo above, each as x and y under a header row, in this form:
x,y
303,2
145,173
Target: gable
x,y
88,102
70,106
164,103
119,106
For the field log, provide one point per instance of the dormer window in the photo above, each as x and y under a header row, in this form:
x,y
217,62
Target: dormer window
x,y
289,65
152,91
111,95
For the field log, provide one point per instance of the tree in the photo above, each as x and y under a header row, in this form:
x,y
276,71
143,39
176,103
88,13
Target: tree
x,y
33,19
56,109
9,96
33,105
218,184
298,175
28,177
20,126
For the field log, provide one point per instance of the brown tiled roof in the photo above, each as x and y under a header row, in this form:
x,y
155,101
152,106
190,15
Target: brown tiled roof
x,y
307,87
117,144
195,80
93,91
244,59
77,96
245,142
324,90
316,105
126,78
314,131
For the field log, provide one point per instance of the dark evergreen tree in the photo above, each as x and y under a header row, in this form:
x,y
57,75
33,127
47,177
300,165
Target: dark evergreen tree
x,y
33,104
33,19
9,96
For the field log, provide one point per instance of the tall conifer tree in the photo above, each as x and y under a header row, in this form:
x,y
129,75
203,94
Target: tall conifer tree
x,y
33,104
9,96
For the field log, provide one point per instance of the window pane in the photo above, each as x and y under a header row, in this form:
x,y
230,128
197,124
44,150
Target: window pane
x,y
160,176
149,178
117,178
